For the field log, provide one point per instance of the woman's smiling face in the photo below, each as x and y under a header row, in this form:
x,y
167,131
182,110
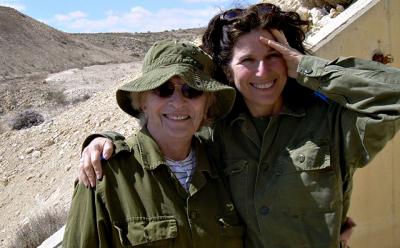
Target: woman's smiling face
x,y
174,116
259,73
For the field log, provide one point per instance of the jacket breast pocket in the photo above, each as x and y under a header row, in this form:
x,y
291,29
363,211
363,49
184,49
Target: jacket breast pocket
x,y
310,156
308,181
143,231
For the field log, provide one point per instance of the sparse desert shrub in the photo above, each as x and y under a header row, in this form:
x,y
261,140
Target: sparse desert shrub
x,y
38,229
79,99
56,96
26,119
136,55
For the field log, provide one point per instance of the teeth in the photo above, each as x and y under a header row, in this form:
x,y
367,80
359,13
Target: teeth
x,y
262,86
177,117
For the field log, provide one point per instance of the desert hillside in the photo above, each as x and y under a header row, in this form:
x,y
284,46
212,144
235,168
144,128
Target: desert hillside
x,y
28,46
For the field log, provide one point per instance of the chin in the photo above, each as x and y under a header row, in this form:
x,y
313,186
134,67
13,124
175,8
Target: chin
x,y
177,134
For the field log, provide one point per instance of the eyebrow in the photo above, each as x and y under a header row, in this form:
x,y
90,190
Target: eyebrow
x,y
248,53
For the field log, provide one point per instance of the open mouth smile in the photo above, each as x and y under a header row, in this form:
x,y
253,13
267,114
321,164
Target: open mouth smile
x,y
263,85
176,117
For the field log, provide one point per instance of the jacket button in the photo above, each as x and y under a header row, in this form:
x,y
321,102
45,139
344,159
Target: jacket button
x,y
193,215
230,207
264,210
302,158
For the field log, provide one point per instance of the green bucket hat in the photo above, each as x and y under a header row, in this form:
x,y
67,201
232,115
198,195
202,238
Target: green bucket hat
x,y
166,59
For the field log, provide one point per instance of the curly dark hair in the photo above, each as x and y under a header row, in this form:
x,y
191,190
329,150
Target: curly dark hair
x,y
225,28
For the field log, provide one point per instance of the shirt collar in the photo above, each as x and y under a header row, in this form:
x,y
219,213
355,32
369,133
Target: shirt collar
x,y
149,155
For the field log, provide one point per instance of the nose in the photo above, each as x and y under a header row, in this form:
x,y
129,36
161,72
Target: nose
x,y
262,68
177,99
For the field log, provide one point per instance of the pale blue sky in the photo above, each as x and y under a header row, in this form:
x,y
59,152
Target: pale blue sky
x,y
122,15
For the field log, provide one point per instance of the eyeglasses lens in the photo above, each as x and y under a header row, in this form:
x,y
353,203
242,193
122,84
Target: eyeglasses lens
x,y
231,14
164,90
190,92
167,89
265,8
262,9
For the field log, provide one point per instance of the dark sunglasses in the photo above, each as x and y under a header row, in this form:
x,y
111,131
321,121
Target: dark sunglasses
x,y
168,88
262,9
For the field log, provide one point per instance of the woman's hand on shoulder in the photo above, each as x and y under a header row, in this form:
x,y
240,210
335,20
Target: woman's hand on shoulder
x,y
90,163
289,54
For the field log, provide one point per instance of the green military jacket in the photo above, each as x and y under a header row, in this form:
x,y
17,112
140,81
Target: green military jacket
x,y
292,185
140,203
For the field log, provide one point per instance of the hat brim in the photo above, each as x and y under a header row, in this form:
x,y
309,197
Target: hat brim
x,y
225,95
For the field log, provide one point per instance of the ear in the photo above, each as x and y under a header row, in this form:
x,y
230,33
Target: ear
x,y
143,107
141,102
229,75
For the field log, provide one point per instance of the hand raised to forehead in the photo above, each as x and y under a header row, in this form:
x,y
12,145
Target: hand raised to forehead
x,y
289,54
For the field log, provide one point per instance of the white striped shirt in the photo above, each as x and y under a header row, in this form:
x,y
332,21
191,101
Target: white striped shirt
x,y
184,169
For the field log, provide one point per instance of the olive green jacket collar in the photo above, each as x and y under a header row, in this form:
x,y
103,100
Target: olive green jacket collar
x,y
242,113
149,155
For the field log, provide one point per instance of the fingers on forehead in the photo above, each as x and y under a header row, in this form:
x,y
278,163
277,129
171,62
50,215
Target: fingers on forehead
x,y
279,36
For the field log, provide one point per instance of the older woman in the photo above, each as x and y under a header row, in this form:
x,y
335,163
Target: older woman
x,y
299,128
160,190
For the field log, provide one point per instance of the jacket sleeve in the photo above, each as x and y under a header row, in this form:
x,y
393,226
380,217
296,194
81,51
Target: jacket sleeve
x,y
87,223
367,93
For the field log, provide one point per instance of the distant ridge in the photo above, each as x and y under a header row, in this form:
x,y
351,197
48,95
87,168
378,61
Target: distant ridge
x,y
28,46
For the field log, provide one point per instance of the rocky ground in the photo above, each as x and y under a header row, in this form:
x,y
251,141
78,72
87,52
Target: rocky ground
x,y
75,95
38,165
